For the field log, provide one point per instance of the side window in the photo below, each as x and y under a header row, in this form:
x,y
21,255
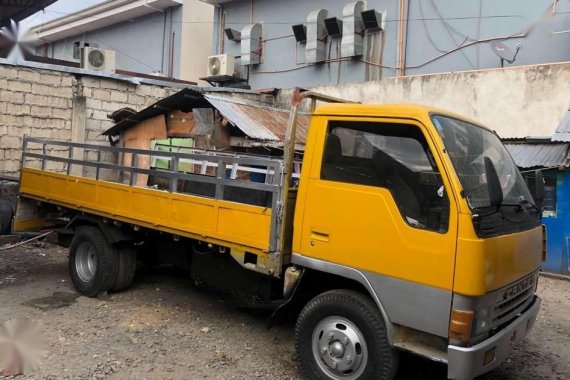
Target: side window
x,y
392,156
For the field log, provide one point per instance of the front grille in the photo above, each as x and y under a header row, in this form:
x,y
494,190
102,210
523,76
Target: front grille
x,y
509,307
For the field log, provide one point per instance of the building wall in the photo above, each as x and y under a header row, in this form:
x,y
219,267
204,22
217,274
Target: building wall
x,y
196,39
143,45
435,30
515,102
61,106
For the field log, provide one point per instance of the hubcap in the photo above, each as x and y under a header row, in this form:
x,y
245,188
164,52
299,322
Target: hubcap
x,y
85,261
339,348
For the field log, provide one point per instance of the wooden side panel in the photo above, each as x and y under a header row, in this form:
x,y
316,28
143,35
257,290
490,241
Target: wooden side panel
x,y
222,222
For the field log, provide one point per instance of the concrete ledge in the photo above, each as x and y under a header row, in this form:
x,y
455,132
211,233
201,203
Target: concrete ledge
x,y
555,276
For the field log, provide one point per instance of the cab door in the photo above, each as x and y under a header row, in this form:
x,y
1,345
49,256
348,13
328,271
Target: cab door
x,y
376,200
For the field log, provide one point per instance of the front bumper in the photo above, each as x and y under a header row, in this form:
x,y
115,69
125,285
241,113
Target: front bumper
x,y
465,363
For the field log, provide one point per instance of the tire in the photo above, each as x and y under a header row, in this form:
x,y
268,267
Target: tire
x,y
93,262
6,214
344,328
127,267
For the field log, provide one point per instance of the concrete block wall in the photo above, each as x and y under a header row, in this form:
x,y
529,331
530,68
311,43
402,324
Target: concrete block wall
x,y
515,102
62,106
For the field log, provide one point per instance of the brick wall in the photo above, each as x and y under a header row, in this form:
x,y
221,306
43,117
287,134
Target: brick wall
x,y
39,103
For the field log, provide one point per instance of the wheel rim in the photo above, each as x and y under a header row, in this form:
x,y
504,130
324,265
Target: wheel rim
x,y
85,261
339,348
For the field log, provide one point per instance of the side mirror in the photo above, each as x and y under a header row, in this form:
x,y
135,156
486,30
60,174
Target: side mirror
x,y
493,184
539,187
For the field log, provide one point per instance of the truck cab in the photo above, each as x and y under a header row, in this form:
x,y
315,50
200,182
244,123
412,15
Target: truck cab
x,y
397,198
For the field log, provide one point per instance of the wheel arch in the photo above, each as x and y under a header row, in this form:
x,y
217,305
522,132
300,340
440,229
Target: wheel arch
x,y
320,276
114,235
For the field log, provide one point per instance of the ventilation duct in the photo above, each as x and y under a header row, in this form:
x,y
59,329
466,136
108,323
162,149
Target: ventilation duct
x,y
351,44
334,27
251,45
316,36
373,20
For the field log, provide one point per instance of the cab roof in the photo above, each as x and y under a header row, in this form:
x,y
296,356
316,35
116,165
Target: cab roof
x,y
415,111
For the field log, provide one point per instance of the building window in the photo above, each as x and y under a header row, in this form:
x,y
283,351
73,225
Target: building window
x,y
549,202
77,50
391,156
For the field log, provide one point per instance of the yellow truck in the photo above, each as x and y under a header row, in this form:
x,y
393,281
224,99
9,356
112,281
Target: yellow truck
x,y
408,229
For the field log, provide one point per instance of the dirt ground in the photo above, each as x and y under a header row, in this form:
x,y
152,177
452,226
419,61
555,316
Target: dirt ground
x,y
165,327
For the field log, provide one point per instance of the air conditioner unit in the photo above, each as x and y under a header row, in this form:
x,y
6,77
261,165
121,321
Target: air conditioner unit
x,y
222,64
97,59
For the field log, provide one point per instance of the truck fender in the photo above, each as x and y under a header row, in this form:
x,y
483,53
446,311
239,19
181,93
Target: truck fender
x,y
325,276
113,234
313,282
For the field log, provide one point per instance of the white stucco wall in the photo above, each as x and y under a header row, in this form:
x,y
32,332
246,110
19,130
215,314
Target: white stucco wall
x,y
516,102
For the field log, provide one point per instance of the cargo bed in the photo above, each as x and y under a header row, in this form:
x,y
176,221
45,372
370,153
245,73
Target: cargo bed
x,y
213,200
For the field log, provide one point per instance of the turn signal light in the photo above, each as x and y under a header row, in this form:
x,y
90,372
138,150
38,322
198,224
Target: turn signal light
x,y
460,325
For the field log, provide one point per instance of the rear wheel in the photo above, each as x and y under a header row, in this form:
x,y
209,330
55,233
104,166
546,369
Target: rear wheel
x,y
127,267
93,262
340,334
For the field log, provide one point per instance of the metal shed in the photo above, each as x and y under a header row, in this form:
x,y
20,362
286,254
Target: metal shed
x,y
552,157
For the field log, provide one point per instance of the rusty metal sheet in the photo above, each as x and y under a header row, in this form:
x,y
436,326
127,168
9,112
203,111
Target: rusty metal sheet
x,y
258,121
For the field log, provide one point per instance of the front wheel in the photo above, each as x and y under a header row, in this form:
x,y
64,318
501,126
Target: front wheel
x,y
340,334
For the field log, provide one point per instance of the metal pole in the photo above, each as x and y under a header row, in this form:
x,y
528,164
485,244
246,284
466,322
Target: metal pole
x,y
98,161
70,158
288,156
44,153
132,171
220,174
174,180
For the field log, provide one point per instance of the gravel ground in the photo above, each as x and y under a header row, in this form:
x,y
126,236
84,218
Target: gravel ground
x,y
165,327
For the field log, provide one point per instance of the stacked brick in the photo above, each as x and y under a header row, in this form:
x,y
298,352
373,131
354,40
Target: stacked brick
x,y
33,103
39,103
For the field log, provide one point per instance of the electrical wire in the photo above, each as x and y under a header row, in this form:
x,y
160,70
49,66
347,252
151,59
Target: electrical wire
x,y
105,44
550,12
448,29
426,30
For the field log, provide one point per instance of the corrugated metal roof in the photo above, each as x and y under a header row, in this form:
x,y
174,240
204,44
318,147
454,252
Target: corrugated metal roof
x,y
563,131
528,155
19,10
257,121
185,100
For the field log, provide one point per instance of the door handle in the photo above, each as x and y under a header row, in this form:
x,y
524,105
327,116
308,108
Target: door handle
x,y
319,234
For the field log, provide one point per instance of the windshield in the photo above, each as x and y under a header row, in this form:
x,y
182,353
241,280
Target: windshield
x,y
467,145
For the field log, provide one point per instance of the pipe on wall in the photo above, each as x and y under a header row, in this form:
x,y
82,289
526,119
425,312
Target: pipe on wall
x,y
163,43
171,56
222,27
403,25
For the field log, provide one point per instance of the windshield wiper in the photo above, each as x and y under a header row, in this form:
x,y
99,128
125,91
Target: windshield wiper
x,y
534,206
483,212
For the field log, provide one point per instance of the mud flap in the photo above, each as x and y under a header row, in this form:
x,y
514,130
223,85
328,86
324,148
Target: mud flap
x,y
29,216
